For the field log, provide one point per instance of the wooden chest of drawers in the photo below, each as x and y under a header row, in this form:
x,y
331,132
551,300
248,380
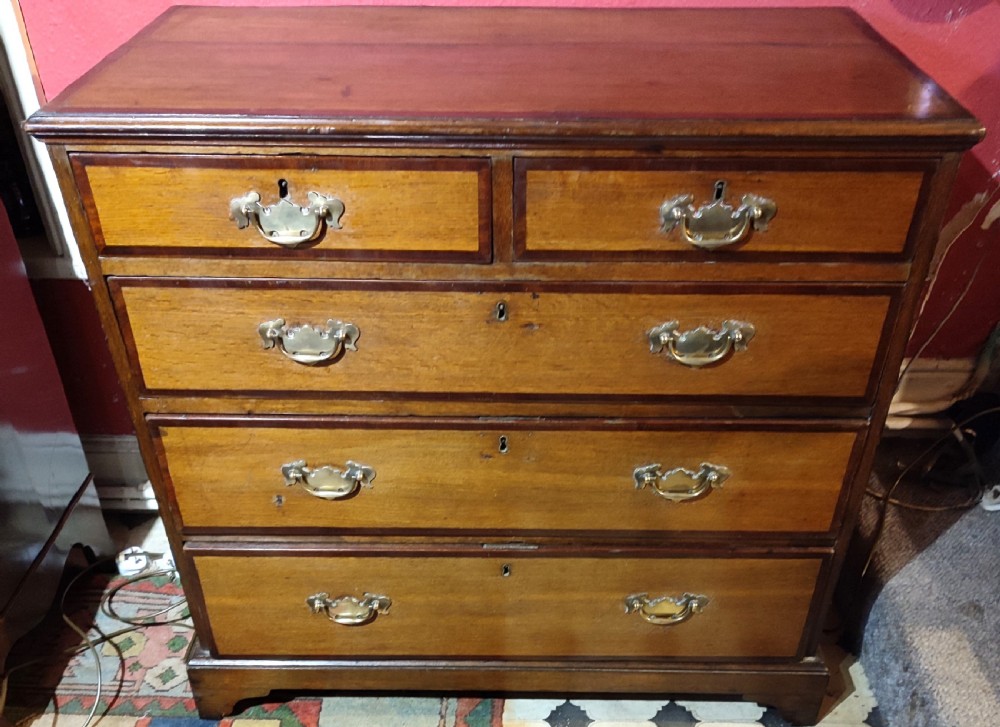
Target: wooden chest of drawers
x,y
507,350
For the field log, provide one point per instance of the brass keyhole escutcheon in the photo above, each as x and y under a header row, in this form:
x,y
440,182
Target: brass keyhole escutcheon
x,y
505,570
500,311
503,445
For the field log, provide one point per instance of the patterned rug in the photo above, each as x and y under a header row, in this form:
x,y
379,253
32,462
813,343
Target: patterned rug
x,y
145,683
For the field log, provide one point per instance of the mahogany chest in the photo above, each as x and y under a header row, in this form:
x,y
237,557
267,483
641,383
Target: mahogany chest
x,y
507,350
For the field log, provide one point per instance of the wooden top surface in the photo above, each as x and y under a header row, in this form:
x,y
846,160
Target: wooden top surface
x,y
200,71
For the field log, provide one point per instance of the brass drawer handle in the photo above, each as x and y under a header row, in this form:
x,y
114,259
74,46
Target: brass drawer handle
x,y
286,223
348,610
665,611
328,483
679,484
716,224
700,346
307,344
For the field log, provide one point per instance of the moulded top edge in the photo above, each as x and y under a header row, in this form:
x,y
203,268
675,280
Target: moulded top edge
x,y
949,134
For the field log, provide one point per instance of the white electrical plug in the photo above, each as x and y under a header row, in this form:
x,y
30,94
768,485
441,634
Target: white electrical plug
x,y
132,561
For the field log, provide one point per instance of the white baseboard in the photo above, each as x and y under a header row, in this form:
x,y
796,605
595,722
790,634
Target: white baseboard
x,y
929,387
119,474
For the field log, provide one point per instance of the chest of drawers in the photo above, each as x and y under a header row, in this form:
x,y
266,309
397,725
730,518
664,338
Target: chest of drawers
x,y
507,350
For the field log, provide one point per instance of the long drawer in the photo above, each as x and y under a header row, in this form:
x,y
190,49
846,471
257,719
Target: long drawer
x,y
375,208
571,208
504,476
507,605
375,339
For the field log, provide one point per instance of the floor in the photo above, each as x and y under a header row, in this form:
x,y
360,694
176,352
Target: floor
x,y
145,684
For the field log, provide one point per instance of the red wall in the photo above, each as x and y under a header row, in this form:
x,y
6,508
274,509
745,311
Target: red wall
x,y
81,353
959,45
30,397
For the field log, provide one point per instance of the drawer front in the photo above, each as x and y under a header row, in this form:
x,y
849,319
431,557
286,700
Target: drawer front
x,y
569,208
393,208
542,607
201,338
505,478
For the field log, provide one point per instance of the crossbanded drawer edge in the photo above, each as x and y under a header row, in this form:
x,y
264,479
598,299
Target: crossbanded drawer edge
x,y
809,342
428,474
511,605
395,208
603,209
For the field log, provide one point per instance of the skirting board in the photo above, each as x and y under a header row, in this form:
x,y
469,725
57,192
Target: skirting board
x,y
119,474
929,387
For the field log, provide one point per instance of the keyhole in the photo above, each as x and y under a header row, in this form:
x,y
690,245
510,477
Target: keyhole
x,y
503,445
282,188
279,500
720,189
505,570
501,311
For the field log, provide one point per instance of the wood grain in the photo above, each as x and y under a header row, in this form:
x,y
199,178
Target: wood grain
x,y
848,413
458,480
205,338
656,270
811,73
586,210
450,606
179,202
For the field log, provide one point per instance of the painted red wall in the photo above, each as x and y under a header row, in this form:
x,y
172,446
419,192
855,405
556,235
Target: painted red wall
x,y
959,45
81,353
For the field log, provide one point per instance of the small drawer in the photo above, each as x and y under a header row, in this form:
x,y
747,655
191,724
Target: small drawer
x,y
363,340
507,605
440,475
625,209
378,208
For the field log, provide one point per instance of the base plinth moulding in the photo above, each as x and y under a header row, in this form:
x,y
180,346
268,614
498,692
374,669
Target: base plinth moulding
x,y
796,691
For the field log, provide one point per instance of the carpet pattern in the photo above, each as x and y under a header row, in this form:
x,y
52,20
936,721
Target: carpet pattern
x,y
146,685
